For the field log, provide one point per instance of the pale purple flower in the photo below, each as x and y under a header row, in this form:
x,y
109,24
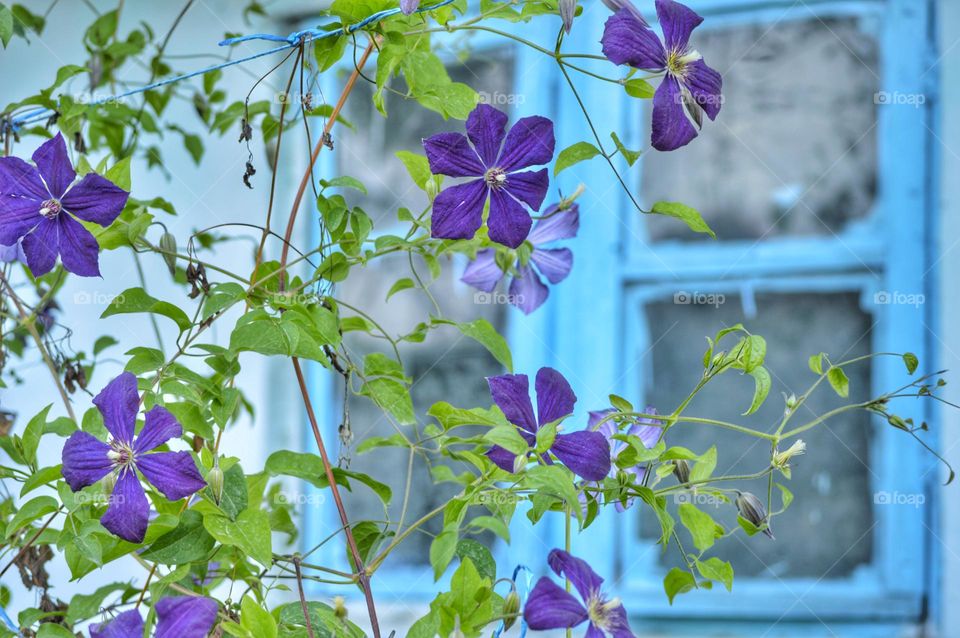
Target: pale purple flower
x,y
527,290
409,6
586,453
177,617
40,205
689,88
617,5
568,11
11,253
550,606
494,159
647,430
86,459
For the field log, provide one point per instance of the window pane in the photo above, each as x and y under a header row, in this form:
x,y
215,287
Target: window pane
x,y
832,482
446,366
793,151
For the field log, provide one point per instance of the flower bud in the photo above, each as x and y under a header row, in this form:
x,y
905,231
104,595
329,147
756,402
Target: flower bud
x,y
519,463
168,247
752,510
568,9
108,482
215,481
432,188
511,609
340,607
681,470
781,459
617,5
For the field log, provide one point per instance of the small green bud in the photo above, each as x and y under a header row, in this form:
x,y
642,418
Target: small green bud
x,y
511,609
751,508
215,481
340,607
108,482
168,247
432,188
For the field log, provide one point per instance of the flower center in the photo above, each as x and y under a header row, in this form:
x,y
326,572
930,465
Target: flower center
x,y
121,454
677,61
601,610
51,208
495,178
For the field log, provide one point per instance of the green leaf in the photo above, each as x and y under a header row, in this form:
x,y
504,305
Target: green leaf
x,y
250,533
838,381
574,154
630,156
702,528
31,511
639,89
910,360
678,581
309,467
32,434
257,620
684,213
83,606
328,51
233,500
419,169
717,570
323,620
135,300
386,386
486,335
546,435
507,437
119,173
188,542
479,555
401,284
443,549
450,417
761,383
6,25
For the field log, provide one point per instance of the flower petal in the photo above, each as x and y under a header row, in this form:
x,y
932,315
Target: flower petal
x,y
577,570
595,416
18,216
486,128
451,154
648,430
458,211
587,454
159,426
555,225
511,393
509,222
483,273
95,199
705,85
20,179
502,458
79,250
529,143
555,397
530,187
42,246
185,616
129,624
671,129
677,22
627,40
527,292
129,510
54,164
9,254
553,263
119,403
550,606
619,623
409,6
85,460
173,473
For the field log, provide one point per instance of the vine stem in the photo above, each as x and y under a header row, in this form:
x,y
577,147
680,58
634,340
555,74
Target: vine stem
x,y
303,598
29,324
363,576
30,542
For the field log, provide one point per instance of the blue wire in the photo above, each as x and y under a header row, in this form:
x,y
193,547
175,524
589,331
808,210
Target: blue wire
x,y
9,623
523,599
290,41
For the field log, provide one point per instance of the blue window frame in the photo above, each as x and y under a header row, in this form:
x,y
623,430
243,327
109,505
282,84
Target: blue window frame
x,y
626,273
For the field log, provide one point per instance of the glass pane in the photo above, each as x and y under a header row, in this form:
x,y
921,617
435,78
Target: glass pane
x,y
833,489
793,151
446,365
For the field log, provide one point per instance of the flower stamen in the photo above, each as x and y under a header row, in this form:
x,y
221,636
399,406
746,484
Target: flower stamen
x,y
51,208
496,178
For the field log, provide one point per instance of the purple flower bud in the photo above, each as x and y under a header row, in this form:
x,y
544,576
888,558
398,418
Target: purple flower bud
x,y
681,470
616,5
568,9
752,510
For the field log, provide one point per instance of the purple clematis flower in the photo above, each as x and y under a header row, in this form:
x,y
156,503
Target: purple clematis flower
x,y
647,430
494,159
689,87
409,6
527,290
550,606
587,454
86,459
177,617
41,204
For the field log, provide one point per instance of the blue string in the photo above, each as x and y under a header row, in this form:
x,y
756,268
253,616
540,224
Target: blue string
x,y
9,623
289,41
528,577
